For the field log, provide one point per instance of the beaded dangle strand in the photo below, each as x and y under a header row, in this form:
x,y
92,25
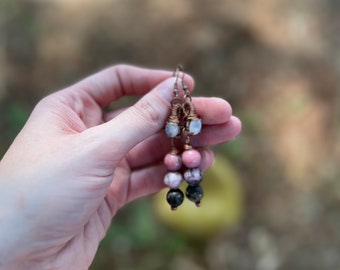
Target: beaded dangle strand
x,y
182,122
173,161
191,158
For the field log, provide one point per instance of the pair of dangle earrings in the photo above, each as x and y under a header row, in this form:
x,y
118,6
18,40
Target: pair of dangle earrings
x,y
182,164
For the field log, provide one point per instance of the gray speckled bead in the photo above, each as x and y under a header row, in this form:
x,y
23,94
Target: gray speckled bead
x,y
193,176
195,126
173,180
171,129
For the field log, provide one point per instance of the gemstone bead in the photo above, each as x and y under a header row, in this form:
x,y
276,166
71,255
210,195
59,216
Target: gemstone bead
x,y
194,194
193,176
173,162
191,158
173,180
175,198
171,129
195,126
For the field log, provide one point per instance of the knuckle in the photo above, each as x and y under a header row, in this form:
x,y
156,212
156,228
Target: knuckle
x,y
148,112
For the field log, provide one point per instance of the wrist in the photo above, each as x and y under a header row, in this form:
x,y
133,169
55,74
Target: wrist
x,y
16,245
14,231
10,245
20,245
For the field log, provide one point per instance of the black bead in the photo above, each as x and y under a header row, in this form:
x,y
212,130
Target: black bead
x,y
194,194
175,198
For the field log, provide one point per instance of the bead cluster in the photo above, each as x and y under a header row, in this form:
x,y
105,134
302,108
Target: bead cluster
x,y
183,123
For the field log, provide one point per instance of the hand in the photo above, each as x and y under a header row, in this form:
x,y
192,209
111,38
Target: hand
x,y
73,166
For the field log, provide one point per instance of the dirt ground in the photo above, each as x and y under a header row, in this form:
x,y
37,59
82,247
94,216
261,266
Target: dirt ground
x,y
275,61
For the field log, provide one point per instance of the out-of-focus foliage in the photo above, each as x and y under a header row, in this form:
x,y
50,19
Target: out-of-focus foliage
x,y
275,61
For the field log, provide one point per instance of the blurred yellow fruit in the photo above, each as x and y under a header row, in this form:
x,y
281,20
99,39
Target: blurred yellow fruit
x,y
221,207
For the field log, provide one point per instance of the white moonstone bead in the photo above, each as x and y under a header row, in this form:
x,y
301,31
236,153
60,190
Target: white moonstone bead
x,y
195,126
171,129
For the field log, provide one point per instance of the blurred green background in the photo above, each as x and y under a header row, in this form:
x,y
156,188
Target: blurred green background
x,y
276,61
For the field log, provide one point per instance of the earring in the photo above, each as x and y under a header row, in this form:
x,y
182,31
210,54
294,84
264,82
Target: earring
x,y
183,121
191,158
173,161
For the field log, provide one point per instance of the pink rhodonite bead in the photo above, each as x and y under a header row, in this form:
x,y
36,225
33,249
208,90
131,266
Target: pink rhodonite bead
x,y
173,180
191,158
173,162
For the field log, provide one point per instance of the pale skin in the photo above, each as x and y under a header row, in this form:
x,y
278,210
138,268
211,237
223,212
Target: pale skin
x,y
73,166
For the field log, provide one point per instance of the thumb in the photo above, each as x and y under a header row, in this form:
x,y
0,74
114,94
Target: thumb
x,y
141,120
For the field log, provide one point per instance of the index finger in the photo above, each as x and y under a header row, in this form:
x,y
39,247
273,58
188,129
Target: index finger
x,y
114,82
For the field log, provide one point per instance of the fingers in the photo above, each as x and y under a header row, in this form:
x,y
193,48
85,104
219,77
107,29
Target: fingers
x,y
212,110
208,158
135,124
114,82
150,180
146,182
154,148
108,116
218,133
138,122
